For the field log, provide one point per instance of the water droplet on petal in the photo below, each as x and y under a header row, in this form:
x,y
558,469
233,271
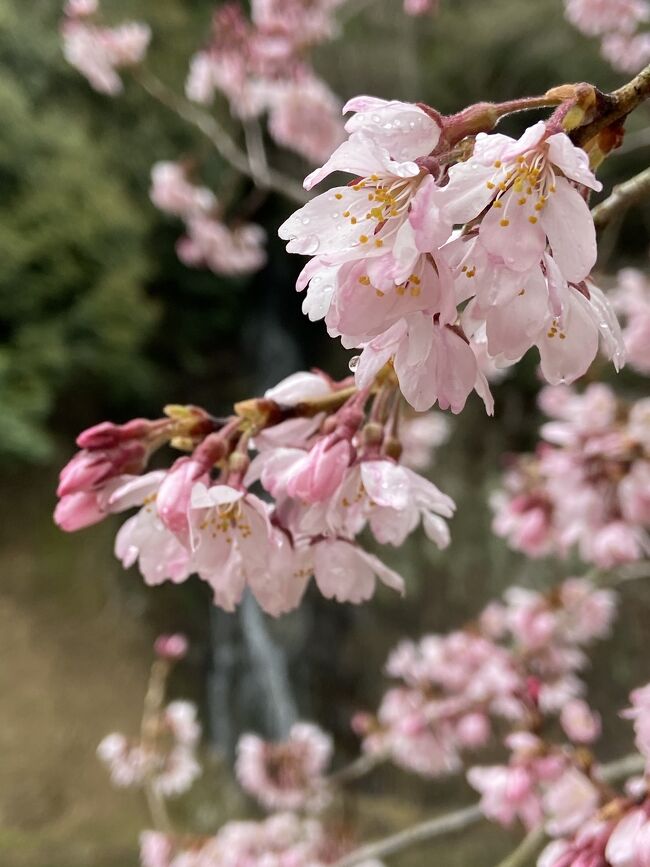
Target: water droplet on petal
x,y
305,221
308,246
354,362
376,118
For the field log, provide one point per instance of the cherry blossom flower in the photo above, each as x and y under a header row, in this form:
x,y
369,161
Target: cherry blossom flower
x,y
513,791
420,7
171,769
420,436
286,775
626,53
143,538
230,252
172,193
587,847
629,845
231,540
599,17
640,714
304,116
97,52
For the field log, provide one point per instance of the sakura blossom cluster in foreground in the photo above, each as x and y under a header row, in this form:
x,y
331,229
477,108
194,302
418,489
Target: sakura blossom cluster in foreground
x,y
325,451
261,66
209,242
98,51
617,23
433,263
588,484
517,664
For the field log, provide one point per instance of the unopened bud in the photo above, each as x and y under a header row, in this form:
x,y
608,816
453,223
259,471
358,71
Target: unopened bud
x,y
171,647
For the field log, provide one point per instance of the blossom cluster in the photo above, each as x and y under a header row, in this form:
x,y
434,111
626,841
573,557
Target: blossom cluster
x,y
604,829
516,664
261,66
588,483
433,264
617,23
282,840
208,242
325,451
98,52
167,760
289,775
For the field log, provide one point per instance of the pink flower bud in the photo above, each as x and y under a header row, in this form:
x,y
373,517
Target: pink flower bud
x,y
473,730
321,472
580,723
171,647
173,500
88,470
76,511
106,435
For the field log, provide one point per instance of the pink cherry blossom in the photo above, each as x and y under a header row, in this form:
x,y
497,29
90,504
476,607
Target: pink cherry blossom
x,y
97,52
625,52
640,714
173,193
231,540
569,802
420,435
287,775
171,768
212,244
144,539
629,845
586,848
599,17
305,117
420,7
515,791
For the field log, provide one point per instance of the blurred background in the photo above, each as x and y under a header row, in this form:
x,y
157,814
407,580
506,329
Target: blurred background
x,y
100,320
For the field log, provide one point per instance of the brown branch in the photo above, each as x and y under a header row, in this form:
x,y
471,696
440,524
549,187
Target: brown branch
x,y
262,177
615,106
622,197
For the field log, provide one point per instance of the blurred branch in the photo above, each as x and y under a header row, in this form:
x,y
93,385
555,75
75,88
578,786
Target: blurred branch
x,y
255,149
526,850
623,197
441,825
358,768
263,176
459,820
149,732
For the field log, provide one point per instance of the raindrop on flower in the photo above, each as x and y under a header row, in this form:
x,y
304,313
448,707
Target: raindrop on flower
x,y
354,362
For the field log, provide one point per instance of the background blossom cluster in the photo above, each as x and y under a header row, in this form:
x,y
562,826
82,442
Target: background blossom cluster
x,y
588,483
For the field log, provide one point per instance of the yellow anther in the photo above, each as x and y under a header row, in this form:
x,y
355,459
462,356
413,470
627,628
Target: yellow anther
x,y
353,220
363,239
497,164
379,242
522,200
497,204
504,223
346,213
365,280
338,195
401,289
490,185
379,293
532,220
